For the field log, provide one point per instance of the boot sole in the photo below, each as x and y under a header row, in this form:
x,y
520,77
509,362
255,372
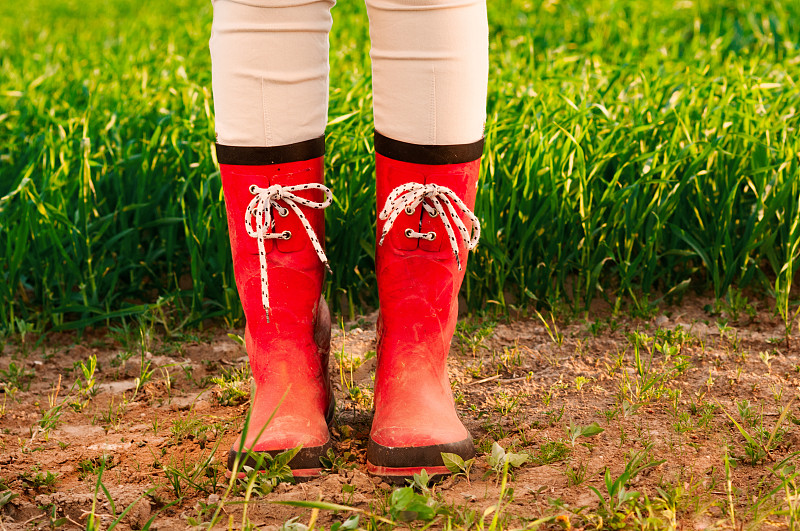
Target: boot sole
x,y
396,464
398,475
300,475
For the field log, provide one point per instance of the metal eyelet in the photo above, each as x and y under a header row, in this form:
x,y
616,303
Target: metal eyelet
x,y
431,236
252,189
283,213
286,234
434,214
408,233
409,211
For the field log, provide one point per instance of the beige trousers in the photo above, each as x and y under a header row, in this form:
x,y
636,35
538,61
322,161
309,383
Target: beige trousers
x,y
270,70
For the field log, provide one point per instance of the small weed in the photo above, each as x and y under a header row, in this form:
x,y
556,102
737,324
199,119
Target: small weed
x,y
676,500
267,473
405,505
766,356
92,467
547,397
196,429
734,304
92,518
500,459
552,329
5,497
145,370
121,357
746,413
457,465
551,452
574,431
52,415
202,476
205,511
554,416
611,414
616,503
576,476
111,417
580,381
334,463
50,511
759,444
188,373
233,386
699,416
648,381
629,409
38,480
598,326
16,377
506,403
86,384
509,358
348,362
471,333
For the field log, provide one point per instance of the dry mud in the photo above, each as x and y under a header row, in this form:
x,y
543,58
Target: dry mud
x,y
521,386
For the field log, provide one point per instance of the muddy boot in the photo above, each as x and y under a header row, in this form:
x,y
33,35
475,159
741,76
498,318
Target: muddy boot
x,y
425,230
274,199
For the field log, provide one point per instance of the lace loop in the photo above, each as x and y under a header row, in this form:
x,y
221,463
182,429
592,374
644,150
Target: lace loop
x,y
434,199
260,209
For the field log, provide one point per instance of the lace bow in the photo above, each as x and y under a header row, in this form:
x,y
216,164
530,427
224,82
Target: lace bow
x,y
260,210
434,199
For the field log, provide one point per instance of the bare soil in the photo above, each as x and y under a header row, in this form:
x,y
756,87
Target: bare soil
x,y
521,387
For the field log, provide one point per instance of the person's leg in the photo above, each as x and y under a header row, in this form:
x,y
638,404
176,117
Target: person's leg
x,y
430,65
270,80
269,64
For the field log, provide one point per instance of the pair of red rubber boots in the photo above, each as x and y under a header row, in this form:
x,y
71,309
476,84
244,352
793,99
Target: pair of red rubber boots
x,y
275,198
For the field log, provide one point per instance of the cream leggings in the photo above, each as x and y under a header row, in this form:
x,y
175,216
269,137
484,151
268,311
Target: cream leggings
x,y
270,70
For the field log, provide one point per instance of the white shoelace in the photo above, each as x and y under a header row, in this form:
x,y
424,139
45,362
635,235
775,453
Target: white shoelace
x,y
407,197
261,207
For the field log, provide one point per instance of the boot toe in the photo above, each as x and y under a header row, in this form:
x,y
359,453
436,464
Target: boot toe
x,y
284,434
305,463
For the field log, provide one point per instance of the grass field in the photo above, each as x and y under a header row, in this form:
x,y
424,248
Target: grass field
x,y
634,149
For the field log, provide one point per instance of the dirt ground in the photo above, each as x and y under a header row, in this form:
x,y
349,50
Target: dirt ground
x,y
163,445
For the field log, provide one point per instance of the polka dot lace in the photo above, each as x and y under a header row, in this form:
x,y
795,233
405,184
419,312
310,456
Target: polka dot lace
x,y
260,209
409,196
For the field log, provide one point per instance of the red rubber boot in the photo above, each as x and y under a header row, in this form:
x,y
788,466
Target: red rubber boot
x,y
274,199
425,230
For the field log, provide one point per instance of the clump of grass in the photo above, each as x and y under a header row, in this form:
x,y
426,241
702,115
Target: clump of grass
x,y
196,429
646,148
551,452
40,480
617,502
16,377
233,386
759,440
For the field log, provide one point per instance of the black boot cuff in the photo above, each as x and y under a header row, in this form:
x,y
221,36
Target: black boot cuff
x,y
422,154
261,156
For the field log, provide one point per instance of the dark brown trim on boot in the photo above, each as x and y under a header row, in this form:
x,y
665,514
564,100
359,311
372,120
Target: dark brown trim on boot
x,y
427,154
262,156
417,456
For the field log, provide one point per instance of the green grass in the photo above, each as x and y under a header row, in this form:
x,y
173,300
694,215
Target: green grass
x,y
633,148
